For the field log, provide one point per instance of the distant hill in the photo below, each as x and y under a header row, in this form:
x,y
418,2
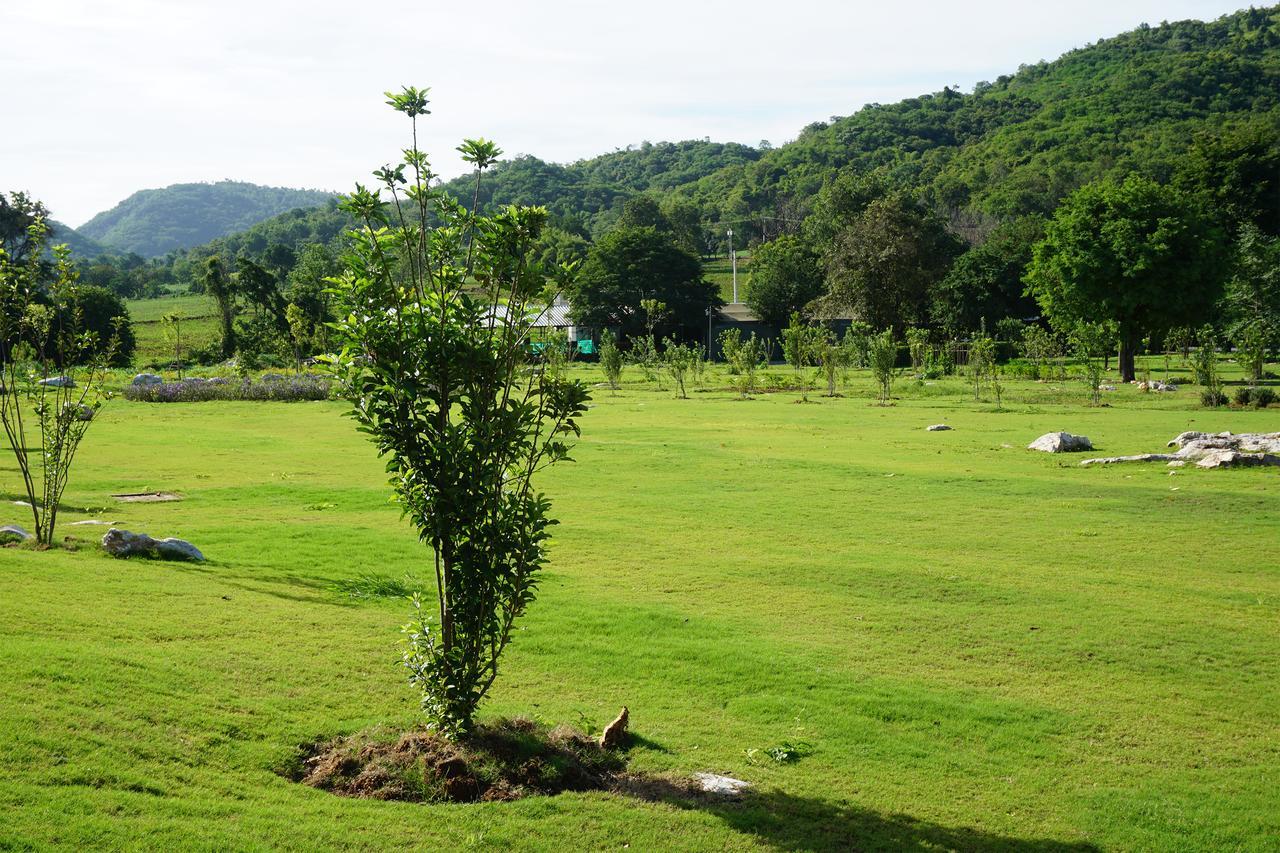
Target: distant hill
x,y
80,245
1133,103
1137,102
154,222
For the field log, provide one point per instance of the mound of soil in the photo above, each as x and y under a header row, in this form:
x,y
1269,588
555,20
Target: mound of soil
x,y
504,760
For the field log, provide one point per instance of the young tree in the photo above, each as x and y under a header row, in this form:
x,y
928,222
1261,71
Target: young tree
x,y
748,357
611,360
442,382
173,336
800,346
834,358
1206,368
1091,342
982,361
1141,255
883,356
50,397
679,361
917,347
730,341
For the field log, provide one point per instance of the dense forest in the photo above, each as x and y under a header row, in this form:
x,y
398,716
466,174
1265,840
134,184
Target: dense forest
x,y
925,213
153,222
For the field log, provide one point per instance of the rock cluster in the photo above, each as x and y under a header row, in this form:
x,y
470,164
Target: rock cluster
x,y
123,543
1210,450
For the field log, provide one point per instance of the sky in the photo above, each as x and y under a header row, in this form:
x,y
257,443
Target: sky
x,y
107,97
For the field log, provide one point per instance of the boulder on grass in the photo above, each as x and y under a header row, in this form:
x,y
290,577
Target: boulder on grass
x,y
123,543
1061,442
13,533
58,382
1236,459
147,379
937,428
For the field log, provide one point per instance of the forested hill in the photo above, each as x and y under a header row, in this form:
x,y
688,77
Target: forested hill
x,y
1142,102
153,222
591,191
80,245
1133,103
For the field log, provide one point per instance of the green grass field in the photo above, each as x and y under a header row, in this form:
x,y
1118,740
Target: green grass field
x,y
981,646
720,272
199,326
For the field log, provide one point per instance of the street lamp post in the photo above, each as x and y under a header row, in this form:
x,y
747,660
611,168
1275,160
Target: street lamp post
x,y
733,259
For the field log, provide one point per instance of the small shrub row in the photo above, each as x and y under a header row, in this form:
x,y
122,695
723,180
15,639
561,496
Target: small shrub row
x,y
284,389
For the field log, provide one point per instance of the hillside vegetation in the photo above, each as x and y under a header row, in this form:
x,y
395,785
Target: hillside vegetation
x,y
1016,146
153,222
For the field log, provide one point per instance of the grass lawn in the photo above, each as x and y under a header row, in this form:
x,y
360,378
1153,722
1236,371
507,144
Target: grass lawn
x,y
199,326
720,272
982,647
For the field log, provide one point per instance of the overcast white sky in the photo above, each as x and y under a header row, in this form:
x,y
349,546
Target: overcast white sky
x,y
105,97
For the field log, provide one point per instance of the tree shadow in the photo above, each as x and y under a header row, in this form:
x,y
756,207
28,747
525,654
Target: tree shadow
x,y
789,822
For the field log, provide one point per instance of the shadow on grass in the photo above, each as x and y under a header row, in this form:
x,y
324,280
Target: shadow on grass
x,y
789,822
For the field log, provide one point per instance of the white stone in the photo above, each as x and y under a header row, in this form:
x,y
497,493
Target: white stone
x,y
14,532
938,428
1236,459
58,382
1140,457
713,783
123,543
1060,442
147,379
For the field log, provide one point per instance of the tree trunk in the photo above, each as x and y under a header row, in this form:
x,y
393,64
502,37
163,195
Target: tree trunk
x,y
1128,345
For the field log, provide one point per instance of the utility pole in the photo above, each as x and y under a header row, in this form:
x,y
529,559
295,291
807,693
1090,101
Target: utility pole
x,y
733,259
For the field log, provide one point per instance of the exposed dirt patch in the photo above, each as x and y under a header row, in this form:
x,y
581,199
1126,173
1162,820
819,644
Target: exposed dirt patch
x,y
504,760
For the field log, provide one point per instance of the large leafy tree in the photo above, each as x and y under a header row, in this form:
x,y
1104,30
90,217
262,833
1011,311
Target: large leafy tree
x,y
629,265
1140,254
437,366
786,275
883,265
986,281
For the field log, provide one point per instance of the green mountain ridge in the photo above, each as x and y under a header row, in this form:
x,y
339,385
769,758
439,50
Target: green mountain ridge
x,y
1136,103
156,221
80,245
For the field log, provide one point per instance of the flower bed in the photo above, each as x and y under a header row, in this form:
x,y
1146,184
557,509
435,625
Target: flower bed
x,y
283,389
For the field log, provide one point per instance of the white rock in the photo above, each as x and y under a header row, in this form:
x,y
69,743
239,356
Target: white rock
x,y
1236,459
1106,387
58,382
14,533
93,521
123,543
937,428
1060,442
714,783
1140,457
1177,463
147,379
